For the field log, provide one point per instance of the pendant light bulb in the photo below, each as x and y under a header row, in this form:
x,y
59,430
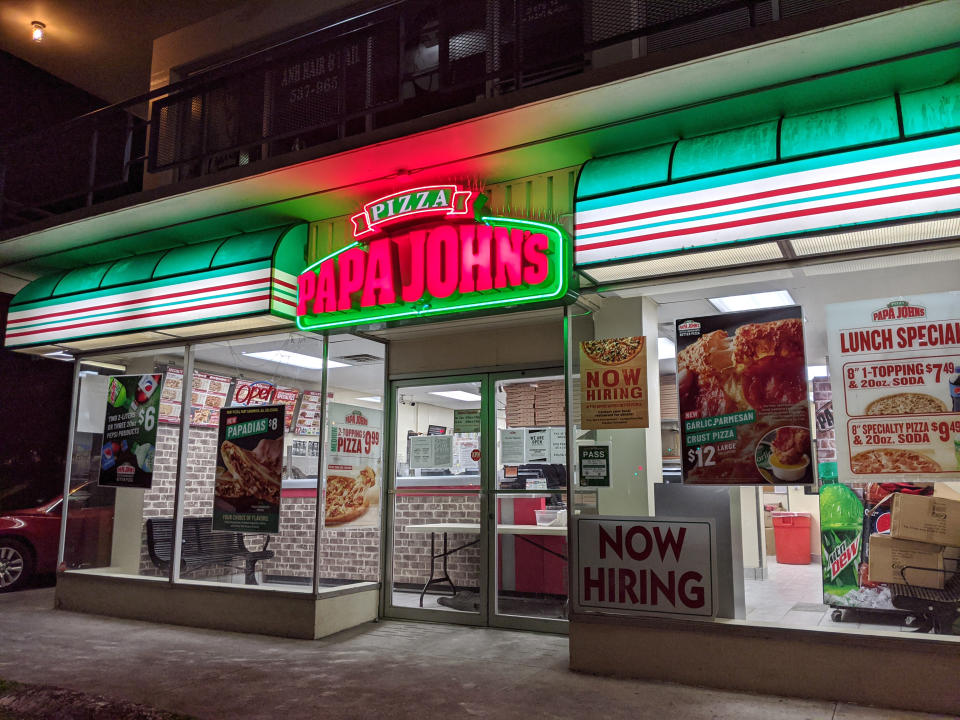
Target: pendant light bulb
x,y
38,28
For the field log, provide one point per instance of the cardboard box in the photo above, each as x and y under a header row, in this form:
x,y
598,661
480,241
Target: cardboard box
x,y
926,519
889,556
768,518
771,541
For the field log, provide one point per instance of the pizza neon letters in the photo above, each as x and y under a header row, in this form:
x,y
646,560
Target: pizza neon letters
x,y
438,263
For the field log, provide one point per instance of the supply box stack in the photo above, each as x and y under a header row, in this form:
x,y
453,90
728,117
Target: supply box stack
x,y
548,403
923,547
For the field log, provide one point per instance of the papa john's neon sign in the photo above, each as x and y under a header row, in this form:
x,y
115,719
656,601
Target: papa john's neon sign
x,y
431,251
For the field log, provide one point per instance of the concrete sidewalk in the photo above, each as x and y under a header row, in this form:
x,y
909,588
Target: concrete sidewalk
x,y
383,670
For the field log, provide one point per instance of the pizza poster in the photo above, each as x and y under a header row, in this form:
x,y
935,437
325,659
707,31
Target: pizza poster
x,y
208,394
613,383
353,466
263,392
895,374
742,386
130,431
249,469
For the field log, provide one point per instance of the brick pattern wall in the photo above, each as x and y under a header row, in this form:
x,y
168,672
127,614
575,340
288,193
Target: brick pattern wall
x,y
411,559
345,554
826,439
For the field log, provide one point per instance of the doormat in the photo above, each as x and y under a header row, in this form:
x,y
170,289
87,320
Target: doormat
x,y
465,600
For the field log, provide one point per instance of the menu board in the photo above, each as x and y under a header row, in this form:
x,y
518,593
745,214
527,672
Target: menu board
x,y
250,393
431,452
208,395
613,387
742,386
308,419
895,371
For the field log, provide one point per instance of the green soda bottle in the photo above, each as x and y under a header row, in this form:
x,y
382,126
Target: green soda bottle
x,y
841,538
117,394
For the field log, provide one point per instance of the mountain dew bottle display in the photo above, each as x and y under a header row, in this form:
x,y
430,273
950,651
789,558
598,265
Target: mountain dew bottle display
x,y
841,533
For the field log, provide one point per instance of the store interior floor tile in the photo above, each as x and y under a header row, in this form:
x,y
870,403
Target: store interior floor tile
x,y
792,596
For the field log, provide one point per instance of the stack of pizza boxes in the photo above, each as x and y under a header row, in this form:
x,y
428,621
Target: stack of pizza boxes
x,y
520,411
548,403
923,547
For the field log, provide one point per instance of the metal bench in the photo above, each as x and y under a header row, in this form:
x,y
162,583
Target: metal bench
x,y
936,609
202,546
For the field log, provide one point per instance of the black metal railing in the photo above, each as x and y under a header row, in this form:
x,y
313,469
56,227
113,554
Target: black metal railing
x,y
404,60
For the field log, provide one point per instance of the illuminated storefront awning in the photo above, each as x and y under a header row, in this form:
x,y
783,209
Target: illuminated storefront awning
x,y
240,276
841,170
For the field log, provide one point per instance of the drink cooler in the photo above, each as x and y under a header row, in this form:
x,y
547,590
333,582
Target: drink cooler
x,y
792,531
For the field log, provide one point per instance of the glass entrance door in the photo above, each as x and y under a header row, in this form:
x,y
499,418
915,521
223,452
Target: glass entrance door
x,y
476,530
437,554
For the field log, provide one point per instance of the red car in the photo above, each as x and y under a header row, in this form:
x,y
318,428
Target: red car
x,y
29,538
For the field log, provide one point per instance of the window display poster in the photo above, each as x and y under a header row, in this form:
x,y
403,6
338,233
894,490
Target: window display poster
x,y
895,375
742,386
537,445
208,393
353,466
130,431
558,445
613,383
431,452
511,446
249,469
594,465
466,421
647,565
308,419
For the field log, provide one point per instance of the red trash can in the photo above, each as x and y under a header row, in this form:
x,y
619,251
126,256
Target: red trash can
x,y
792,531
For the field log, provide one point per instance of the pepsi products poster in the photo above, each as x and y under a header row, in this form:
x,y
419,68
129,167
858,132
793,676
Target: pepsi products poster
x,y
130,431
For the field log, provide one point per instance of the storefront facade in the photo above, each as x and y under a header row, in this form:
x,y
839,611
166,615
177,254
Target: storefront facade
x,y
453,441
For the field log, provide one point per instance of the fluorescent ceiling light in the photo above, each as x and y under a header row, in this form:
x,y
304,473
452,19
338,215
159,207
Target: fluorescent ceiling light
x,y
457,395
104,365
753,301
371,399
285,357
816,371
59,355
665,348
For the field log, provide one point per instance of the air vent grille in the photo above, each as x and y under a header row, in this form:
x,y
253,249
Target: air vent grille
x,y
360,359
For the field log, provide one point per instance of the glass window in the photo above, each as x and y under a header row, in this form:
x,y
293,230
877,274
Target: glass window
x,y
124,464
803,551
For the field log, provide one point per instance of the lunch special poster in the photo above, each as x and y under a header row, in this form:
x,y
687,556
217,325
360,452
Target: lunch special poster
x,y
895,376
249,469
742,386
613,383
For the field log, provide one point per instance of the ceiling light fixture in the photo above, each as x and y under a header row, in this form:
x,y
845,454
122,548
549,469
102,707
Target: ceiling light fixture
x,y
816,371
371,399
665,348
753,301
457,395
38,28
285,357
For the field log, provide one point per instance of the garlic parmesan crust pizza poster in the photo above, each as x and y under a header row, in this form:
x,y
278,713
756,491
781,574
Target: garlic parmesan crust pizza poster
x,y
249,469
895,376
613,383
742,385
354,450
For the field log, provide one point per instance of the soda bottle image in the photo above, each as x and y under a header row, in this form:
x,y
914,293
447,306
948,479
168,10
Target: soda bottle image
x,y
145,389
117,394
954,381
841,538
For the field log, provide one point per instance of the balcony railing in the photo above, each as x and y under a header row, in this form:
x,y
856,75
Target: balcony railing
x,y
404,60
